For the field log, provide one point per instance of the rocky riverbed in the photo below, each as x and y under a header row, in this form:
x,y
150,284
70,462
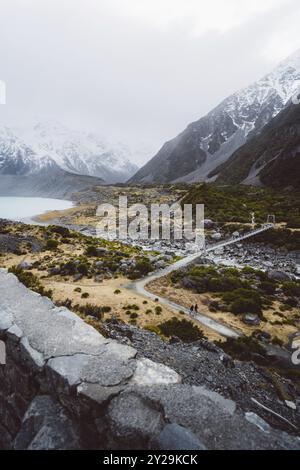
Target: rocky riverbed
x,y
260,256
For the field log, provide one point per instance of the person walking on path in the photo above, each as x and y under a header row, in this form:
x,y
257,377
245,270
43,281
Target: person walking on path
x,y
192,309
196,308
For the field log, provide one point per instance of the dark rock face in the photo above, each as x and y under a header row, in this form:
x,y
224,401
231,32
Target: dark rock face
x,y
175,437
272,157
186,153
64,386
45,425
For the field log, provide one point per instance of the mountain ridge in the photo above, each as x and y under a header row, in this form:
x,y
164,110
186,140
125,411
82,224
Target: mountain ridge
x,y
51,146
271,158
207,143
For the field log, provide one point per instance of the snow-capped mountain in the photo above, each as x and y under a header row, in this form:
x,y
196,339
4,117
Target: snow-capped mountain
x,y
53,146
207,143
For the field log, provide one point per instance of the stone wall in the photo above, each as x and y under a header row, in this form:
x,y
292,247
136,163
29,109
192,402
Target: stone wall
x,y
64,386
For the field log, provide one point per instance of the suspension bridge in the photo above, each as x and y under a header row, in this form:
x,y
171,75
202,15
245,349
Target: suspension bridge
x,y
140,285
240,238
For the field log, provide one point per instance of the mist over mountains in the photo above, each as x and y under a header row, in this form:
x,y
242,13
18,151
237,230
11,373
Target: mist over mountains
x,y
248,138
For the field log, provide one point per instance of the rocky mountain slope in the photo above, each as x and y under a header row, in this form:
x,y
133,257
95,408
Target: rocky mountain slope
x,y
210,141
51,146
271,158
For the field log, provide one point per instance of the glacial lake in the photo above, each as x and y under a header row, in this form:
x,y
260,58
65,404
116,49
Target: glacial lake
x,y
22,209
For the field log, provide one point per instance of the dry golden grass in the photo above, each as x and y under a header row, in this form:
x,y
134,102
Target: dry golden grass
x,y
185,297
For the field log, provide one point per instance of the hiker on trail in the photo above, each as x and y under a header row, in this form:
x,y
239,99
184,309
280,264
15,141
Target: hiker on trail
x,y
196,308
192,309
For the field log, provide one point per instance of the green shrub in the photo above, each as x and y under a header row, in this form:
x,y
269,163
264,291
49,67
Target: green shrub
x,y
90,309
31,281
141,269
83,269
291,289
158,310
292,302
106,309
243,305
51,244
134,315
248,270
183,329
91,250
69,268
244,348
285,308
242,293
63,231
85,295
131,307
268,287
153,329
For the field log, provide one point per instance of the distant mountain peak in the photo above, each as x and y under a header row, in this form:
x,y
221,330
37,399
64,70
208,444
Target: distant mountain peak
x,y
292,60
51,144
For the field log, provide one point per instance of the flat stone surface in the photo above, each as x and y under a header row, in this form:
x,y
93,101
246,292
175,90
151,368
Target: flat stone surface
x,y
98,393
106,369
44,325
150,373
214,420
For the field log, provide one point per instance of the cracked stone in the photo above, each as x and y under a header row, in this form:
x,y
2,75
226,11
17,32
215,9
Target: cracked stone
x,y
97,393
150,373
107,369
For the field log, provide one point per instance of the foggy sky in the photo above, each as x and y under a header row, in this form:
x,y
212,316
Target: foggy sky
x,y
136,70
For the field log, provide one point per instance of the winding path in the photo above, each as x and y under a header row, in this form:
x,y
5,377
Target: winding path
x,y
140,286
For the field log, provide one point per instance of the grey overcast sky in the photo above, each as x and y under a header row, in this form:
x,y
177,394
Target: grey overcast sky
x,y
136,70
